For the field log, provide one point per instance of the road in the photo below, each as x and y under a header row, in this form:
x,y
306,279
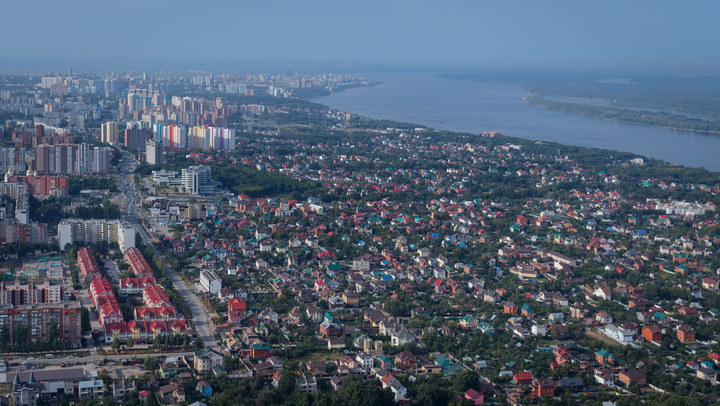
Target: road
x,y
200,317
92,359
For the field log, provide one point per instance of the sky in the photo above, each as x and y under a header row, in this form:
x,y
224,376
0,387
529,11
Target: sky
x,y
634,36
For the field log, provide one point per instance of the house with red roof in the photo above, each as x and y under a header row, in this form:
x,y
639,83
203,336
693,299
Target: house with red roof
x,y
523,378
474,396
236,311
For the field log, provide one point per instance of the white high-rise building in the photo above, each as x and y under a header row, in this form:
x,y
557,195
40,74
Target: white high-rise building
x,y
153,152
207,138
12,158
91,231
109,133
197,180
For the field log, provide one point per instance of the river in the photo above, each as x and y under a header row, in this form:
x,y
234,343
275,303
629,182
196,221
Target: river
x,y
474,107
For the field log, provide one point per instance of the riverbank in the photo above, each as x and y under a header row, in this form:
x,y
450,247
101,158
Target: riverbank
x,y
474,107
626,116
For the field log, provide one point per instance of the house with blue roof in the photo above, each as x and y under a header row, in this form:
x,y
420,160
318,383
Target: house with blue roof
x,y
204,389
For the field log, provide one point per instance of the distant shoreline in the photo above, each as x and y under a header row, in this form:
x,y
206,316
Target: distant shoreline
x,y
529,100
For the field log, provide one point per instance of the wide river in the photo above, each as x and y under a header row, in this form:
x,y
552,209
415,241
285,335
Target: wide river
x,y
474,107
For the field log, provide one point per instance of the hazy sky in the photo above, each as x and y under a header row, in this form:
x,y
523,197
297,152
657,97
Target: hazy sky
x,y
629,35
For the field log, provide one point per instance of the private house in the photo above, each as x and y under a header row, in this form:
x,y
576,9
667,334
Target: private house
x,y
474,396
204,389
206,359
542,387
398,390
172,394
707,374
605,376
631,376
652,333
401,337
303,383
604,357
686,334
619,334
523,378
91,389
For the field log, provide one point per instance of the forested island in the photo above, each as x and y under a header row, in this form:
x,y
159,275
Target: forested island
x,y
628,116
679,103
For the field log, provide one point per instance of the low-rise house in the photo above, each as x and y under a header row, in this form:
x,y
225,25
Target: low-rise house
x,y
619,334
707,374
303,383
652,333
365,361
523,378
398,390
631,376
204,389
474,396
686,334
123,386
91,389
604,357
335,343
401,337
168,370
205,359
605,376
172,394
542,387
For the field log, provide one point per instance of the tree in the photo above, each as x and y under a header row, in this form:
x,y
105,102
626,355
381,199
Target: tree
x,y
287,381
85,319
151,364
464,380
115,344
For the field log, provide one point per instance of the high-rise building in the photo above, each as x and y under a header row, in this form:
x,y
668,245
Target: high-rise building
x,y
153,152
72,158
207,138
135,138
21,293
12,158
141,99
109,133
173,137
36,322
101,160
91,231
197,180
43,185
19,192
12,231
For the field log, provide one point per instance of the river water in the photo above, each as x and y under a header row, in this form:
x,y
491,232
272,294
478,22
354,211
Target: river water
x,y
474,107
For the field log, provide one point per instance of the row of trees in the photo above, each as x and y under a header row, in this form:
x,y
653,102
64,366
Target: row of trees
x,y
19,340
78,183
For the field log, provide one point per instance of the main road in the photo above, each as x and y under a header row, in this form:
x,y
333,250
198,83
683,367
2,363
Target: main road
x,y
201,321
93,358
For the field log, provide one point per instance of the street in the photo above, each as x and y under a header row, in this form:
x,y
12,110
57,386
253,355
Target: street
x,y
200,321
